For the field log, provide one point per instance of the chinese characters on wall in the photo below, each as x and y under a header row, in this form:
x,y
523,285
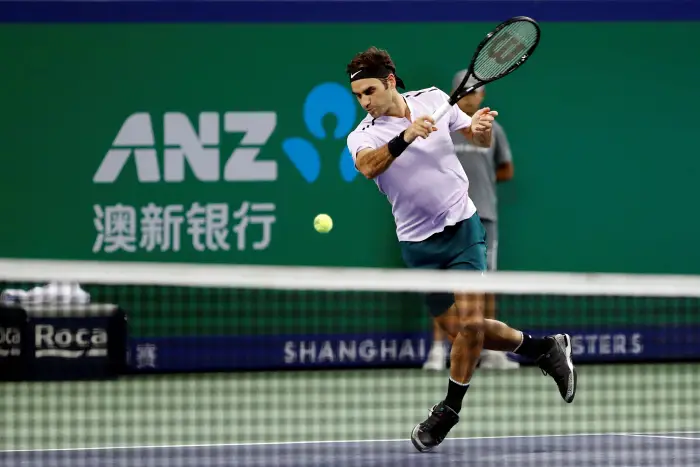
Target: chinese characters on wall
x,y
207,227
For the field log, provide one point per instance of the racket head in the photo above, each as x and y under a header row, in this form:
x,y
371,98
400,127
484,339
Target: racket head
x,y
500,53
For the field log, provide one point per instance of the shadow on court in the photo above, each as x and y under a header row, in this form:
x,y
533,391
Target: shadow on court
x,y
658,449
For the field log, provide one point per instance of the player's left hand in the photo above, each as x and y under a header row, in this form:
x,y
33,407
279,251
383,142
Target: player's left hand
x,y
482,120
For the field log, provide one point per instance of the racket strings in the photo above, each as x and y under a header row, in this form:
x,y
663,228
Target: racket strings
x,y
505,49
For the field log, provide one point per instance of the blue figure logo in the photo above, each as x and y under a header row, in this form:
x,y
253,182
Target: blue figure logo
x,y
324,99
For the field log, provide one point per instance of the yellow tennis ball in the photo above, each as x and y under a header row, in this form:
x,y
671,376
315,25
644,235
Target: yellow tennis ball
x,y
323,223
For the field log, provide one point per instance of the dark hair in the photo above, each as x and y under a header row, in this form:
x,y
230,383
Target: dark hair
x,y
371,58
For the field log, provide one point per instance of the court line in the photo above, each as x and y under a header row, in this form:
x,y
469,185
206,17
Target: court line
x,y
342,441
665,436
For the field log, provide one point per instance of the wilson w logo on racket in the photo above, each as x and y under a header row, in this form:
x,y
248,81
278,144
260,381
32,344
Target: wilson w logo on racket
x,y
500,53
504,48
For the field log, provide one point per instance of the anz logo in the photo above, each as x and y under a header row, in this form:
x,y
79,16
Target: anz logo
x,y
163,147
324,99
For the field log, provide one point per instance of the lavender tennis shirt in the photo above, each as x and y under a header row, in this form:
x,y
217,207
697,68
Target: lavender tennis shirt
x,y
426,185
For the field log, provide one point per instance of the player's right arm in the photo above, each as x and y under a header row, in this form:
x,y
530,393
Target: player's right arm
x,y
371,161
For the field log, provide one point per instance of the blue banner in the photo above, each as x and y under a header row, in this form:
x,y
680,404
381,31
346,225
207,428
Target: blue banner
x,y
343,11
228,353
208,353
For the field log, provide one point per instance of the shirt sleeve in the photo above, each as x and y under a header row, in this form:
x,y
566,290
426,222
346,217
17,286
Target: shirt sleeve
x,y
457,118
501,154
358,140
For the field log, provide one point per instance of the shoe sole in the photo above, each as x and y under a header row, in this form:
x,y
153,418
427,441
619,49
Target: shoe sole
x,y
416,442
570,363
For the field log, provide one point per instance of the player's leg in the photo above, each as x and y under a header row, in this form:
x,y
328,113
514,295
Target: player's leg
x,y
461,247
464,322
467,341
466,347
551,353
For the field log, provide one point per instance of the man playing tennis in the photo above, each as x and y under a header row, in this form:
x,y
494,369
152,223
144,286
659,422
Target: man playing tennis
x,y
413,162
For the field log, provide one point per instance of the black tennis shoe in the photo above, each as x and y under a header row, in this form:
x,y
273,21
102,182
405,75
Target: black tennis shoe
x,y
428,434
557,363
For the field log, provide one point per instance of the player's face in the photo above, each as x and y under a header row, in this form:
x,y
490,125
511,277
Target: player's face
x,y
373,96
471,102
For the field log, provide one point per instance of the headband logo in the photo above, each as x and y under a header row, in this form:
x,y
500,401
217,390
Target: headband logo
x,y
379,72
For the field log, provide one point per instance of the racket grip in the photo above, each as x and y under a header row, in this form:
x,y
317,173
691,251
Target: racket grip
x,y
441,111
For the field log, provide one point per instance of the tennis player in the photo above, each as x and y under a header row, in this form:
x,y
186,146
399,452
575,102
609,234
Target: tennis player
x,y
413,162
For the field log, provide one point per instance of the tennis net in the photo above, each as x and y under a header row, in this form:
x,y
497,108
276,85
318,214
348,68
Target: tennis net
x,y
171,364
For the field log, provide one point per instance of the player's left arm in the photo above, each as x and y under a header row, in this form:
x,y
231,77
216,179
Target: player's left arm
x,y
477,129
480,132
503,157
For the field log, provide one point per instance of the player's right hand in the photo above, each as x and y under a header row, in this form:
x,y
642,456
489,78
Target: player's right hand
x,y
421,127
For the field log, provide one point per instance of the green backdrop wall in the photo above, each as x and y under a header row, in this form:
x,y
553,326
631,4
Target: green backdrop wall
x,y
100,121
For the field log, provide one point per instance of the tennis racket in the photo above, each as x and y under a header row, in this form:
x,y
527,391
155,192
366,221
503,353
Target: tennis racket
x,y
500,53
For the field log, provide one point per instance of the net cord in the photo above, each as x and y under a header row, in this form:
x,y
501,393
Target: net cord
x,y
346,279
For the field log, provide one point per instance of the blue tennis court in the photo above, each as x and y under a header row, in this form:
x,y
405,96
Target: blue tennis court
x,y
634,415
657,449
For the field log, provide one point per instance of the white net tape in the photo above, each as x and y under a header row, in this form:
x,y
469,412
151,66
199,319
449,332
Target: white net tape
x,y
346,279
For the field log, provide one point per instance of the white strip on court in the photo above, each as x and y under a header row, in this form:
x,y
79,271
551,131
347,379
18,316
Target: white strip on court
x,y
349,441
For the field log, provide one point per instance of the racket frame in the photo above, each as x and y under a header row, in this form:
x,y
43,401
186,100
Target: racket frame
x,y
460,91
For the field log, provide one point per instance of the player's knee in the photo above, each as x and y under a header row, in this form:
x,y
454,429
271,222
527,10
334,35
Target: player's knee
x,y
472,330
472,323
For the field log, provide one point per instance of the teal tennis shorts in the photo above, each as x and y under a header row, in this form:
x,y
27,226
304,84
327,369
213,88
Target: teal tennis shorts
x,y
459,246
